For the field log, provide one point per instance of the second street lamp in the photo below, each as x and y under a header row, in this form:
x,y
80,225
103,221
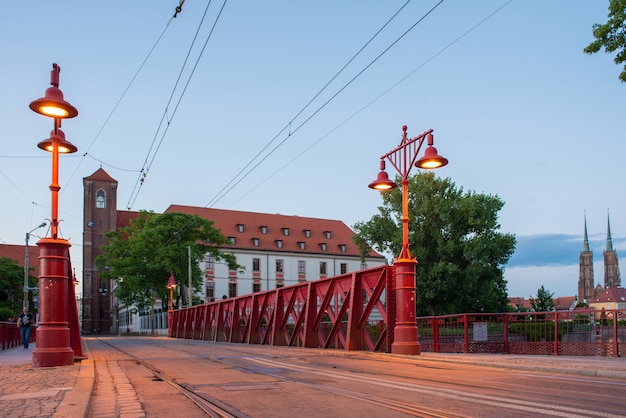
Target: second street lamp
x,y
26,264
403,158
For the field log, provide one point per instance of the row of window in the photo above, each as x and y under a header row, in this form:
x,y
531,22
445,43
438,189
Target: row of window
x,y
279,244
209,262
285,231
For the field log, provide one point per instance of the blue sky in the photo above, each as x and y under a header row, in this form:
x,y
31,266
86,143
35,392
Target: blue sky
x,y
516,106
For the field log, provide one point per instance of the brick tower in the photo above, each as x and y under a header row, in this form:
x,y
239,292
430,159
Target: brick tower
x,y
585,277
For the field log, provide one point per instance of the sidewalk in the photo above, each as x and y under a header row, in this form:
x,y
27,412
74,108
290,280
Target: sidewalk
x,y
66,391
25,391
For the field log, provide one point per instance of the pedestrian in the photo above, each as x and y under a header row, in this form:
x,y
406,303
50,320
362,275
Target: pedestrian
x,y
24,322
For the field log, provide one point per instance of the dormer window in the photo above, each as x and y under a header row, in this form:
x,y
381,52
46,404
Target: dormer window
x,y
323,246
232,240
263,229
279,243
327,234
255,242
301,245
285,231
240,227
342,248
307,233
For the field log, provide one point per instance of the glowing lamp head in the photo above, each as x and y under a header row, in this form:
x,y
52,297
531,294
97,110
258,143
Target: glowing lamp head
x,y
58,136
382,182
431,159
53,105
171,283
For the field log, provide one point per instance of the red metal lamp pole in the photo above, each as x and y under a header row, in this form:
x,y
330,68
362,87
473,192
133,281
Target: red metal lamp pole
x,y
402,158
53,335
171,285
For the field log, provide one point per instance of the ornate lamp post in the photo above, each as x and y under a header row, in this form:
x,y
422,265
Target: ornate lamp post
x,y
171,285
402,158
53,335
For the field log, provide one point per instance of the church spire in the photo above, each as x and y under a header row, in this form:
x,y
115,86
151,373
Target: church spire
x,y
609,241
585,238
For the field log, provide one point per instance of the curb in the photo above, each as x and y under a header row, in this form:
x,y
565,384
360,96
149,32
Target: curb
x,y
76,403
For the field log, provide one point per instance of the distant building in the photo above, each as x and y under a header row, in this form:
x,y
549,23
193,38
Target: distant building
x,y
610,298
588,291
276,250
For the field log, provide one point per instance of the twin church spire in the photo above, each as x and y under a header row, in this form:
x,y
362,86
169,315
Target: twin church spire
x,y
587,289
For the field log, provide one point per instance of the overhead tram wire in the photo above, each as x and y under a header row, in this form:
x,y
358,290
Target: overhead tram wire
x,y
393,86
217,197
147,165
235,181
106,121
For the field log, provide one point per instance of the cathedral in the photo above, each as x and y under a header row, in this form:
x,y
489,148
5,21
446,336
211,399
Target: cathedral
x,y
587,289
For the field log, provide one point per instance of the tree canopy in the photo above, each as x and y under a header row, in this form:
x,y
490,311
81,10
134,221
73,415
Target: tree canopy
x,y
543,302
12,287
612,35
454,236
141,256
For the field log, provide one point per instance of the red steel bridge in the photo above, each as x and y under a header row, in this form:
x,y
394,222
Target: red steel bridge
x,y
356,311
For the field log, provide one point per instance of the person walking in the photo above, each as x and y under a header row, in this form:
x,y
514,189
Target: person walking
x,y
24,322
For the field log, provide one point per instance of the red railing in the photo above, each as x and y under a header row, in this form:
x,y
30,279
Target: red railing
x,y
582,332
10,335
348,312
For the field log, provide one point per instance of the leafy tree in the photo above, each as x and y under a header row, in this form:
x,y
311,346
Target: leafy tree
x,y
12,287
543,302
612,35
454,237
141,256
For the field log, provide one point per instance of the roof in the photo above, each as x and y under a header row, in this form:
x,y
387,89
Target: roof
x,y
124,217
610,294
18,252
564,303
280,233
101,175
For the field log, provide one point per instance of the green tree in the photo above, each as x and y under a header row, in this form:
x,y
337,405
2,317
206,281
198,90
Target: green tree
x,y
454,236
12,286
612,35
543,302
141,256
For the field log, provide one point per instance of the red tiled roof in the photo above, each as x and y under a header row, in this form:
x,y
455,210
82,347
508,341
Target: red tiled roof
x,y
124,217
611,294
17,253
229,221
563,303
101,175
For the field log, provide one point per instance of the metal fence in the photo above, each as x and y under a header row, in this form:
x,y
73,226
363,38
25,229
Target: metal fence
x,y
581,332
346,312
10,335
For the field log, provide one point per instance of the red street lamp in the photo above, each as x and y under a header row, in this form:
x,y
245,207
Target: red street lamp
x,y
53,335
171,285
402,158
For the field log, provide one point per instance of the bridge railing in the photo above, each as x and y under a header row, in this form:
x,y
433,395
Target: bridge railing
x,y
581,332
348,312
10,335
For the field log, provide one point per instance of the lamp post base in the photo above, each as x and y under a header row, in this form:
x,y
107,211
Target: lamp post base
x,y
405,331
53,335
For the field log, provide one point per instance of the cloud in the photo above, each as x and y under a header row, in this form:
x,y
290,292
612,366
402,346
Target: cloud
x,y
557,249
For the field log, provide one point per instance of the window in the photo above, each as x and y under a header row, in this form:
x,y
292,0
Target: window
x,y
307,233
263,230
327,234
285,231
323,246
209,262
279,243
210,291
301,267
343,267
301,245
255,242
256,264
342,248
256,287
322,268
240,227
232,290
279,266
101,202
232,240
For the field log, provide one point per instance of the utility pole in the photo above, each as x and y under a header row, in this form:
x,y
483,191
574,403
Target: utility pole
x,y
189,291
